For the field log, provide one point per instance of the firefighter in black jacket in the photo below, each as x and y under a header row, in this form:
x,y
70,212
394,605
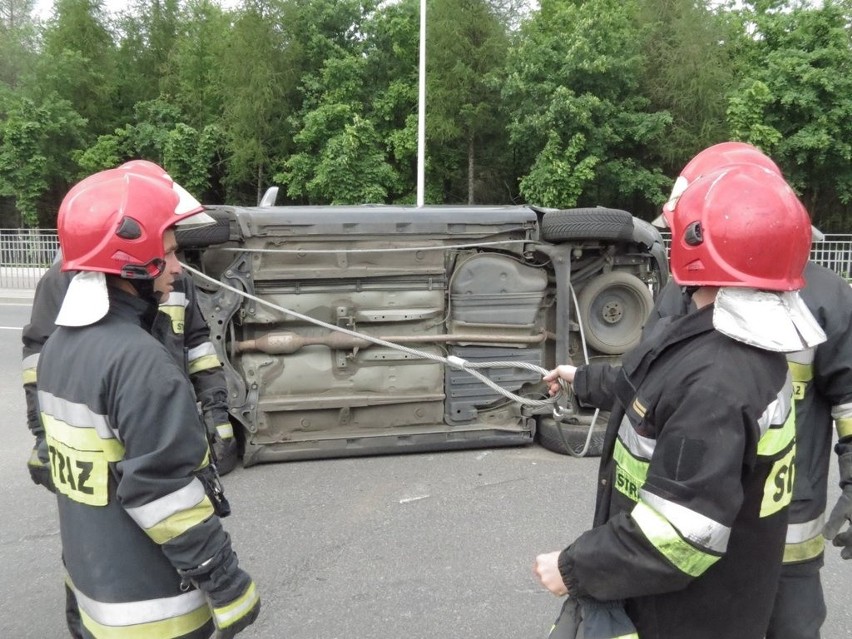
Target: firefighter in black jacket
x,y
181,329
696,474
139,505
822,382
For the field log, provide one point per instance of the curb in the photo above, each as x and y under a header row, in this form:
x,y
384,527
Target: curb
x,y
16,295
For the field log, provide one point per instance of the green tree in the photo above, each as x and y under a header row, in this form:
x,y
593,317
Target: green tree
x,y
466,43
578,119
189,156
392,43
29,133
17,40
78,62
688,50
149,31
342,154
191,75
254,115
161,134
350,166
795,100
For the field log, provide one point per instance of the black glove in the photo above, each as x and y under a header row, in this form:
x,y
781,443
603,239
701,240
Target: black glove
x,y
223,444
39,464
230,591
841,514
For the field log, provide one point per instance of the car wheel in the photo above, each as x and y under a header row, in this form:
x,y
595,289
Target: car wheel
x,y
590,223
613,308
570,439
201,236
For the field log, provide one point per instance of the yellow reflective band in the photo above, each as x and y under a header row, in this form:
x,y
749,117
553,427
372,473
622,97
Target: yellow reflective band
x,y
778,489
29,365
225,431
79,461
82,438
639,408
630,472
237,609
801,374
206,461
164,629
177,315
810,549
775,440
204,363
180,522
844,427
665,538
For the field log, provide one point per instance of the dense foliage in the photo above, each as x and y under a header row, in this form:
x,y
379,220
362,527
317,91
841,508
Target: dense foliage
x,y
559,103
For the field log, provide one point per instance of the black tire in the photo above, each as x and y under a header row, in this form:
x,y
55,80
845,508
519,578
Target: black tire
x,y
587,224
574,435
613,308
201,236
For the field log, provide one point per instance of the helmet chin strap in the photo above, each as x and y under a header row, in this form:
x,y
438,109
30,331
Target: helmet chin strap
x,y
146,292
141,277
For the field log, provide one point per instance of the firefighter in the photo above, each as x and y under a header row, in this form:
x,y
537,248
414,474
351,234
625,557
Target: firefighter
x,y
822,381
181,329
697,468
144,550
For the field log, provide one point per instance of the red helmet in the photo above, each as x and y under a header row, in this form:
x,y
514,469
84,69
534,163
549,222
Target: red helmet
x,y
739,226
186,204
712,159
725,154
146,167
114,222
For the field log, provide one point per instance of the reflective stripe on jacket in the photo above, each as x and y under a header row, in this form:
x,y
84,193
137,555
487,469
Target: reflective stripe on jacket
x,y
125,440
180,327
822,383
694,483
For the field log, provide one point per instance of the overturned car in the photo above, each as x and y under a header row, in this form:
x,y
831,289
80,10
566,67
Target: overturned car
x,y
411,287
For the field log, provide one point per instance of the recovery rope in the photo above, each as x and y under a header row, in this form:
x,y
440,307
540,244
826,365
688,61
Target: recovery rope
x,y
458,363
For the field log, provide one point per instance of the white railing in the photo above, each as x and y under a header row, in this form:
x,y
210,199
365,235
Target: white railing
x,y
835,253
25,254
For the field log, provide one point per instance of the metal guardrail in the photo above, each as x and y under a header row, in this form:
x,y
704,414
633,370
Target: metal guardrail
x,y
25,254
835,253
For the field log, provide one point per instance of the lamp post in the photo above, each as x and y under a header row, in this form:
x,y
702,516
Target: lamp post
x,y
421,110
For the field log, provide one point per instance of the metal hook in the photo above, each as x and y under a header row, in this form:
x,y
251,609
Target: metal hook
x,y
563,411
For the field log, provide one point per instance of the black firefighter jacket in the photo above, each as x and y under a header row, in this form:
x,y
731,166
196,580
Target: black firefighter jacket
x,y
180,327
822,390
126,442
693,487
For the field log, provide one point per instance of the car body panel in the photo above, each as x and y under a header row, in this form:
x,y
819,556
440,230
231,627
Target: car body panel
x,y
472,282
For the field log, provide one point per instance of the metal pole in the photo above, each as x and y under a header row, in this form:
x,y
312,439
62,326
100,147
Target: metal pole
x,y
421,110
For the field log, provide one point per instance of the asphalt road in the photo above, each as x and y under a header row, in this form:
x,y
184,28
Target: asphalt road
x,y
431,546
